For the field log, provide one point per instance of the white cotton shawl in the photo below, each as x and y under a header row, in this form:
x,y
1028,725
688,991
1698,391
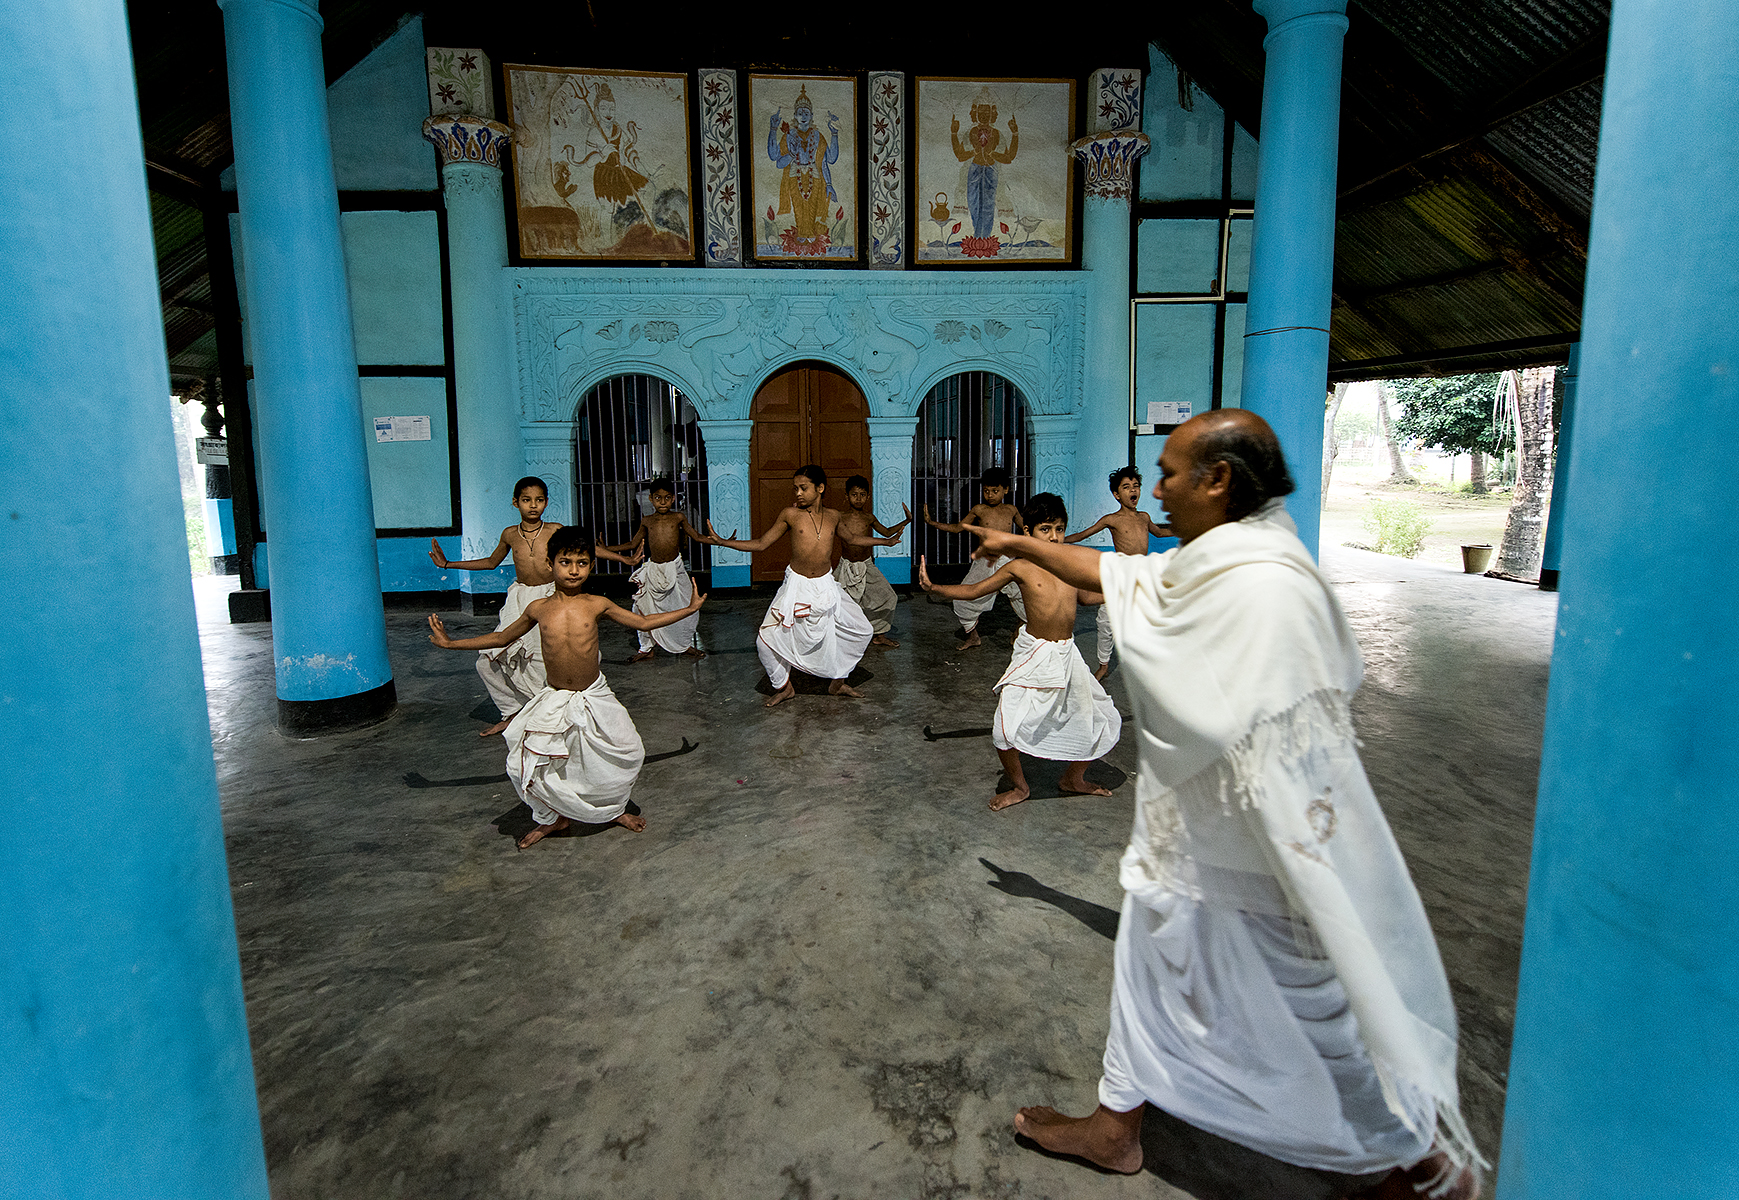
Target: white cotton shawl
x,y
1241,666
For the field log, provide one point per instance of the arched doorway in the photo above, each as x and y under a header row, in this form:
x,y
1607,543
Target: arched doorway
x,y
629,431
807,413
968,422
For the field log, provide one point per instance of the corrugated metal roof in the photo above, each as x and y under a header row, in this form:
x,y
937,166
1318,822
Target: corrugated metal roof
x,y
1555,143
1478,50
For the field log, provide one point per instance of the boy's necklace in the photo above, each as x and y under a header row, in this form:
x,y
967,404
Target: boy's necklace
x,y
530,538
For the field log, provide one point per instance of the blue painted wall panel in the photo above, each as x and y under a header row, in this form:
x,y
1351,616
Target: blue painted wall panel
x,y
411,481
1177,256
1174,355
1238,255
1186,160
1243,165
1232,359
393,262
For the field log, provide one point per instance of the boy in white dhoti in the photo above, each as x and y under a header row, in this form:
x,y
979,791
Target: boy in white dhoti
x,y
661,583
811,626
514,673
1130,529
1276,980
572,751
993,512
1048,705
856,572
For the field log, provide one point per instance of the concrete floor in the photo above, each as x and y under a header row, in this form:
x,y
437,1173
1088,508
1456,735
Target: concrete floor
x,y
825,969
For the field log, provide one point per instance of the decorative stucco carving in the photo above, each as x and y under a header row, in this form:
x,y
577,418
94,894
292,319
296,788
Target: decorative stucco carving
x,y
461,138
1110,162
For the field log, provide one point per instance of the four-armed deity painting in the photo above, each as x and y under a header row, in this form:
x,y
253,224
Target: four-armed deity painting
x,y
994,170
601,163
805,171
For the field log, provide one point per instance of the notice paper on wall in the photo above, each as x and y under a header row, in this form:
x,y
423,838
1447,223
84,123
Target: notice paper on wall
x,y
401,429
1167,412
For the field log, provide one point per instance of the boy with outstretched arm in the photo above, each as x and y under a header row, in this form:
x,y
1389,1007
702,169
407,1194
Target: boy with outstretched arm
x,y
661,583
572,751
856,572
811,626
1130,529
514,673
1048,703
993,512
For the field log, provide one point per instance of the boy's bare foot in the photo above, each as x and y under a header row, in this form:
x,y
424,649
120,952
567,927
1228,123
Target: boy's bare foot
x,y
1432,1176
542,831
840,687
642,656
1074,782
496,728
1005,799
1104,670
631,821
972,639
882,639
783,694
694,652
1105,1139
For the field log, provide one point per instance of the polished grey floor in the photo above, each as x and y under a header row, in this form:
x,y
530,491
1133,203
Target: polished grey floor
x,y
825,969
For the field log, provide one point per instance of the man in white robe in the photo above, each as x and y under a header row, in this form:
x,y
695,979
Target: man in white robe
x,y
1276,980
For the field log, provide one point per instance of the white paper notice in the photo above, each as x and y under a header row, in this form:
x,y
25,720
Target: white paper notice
x,y
401,429
1166,412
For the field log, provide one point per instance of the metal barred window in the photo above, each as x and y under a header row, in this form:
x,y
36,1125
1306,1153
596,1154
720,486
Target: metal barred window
x,y
631,430
969,422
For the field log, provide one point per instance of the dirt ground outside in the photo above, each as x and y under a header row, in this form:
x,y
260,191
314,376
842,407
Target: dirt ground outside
x,y
1457,518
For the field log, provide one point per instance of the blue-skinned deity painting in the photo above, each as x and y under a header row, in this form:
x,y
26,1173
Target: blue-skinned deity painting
x,y
805,177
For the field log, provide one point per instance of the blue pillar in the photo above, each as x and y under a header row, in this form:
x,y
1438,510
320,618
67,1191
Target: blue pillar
x,y
1560,473
328,627
1292,256
491,452
122,1031
727,478
1624,1073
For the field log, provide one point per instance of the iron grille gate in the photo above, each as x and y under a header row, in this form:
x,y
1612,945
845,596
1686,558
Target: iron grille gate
x,y
631,430
969,422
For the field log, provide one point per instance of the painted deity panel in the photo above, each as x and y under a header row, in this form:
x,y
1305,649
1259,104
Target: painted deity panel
x,y
600,163
802,138
995,173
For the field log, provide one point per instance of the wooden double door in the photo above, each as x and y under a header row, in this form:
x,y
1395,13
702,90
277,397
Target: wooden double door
x,y
807,413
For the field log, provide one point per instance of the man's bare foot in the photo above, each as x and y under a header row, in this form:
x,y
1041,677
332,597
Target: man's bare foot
x,y
840,687
496,728
783,694
972,639
642,656
631,821
694,652
542,831
882,639
1105,1139
1104,670
1005,799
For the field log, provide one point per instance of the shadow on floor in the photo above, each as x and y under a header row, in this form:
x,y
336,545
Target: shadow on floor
x,y
517,821
809,685
1042,775
1098,918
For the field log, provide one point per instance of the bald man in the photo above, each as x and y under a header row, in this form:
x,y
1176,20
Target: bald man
x,y
1276,980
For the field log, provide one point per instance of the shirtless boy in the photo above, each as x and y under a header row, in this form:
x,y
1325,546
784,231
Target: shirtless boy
x,y
572,750
811,626
514,674
1049,705
1130,528
661,583
993,512
856,572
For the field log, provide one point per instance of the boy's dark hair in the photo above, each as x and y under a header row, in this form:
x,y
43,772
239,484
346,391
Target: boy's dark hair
x,y
530,481
813,474
661,485
571,537
1046,506
995,477
1122,473
857,481
1253,453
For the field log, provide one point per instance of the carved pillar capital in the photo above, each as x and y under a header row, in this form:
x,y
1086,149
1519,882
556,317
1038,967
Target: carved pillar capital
x,y
1109,159
463,138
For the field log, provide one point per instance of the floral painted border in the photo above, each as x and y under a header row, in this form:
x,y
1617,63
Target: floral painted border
x,y
718,141
459,82
887,169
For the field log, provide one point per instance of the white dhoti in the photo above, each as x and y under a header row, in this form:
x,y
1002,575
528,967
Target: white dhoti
x,y
865,583
1106,641
1050,706
514,674
574,754
970,610
661,587
814,627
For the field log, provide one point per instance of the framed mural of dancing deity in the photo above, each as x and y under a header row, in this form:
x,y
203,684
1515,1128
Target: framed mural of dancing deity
x,y
801,137
995,173
600,163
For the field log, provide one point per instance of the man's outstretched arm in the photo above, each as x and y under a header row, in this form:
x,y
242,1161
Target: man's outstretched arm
x,y
1076,566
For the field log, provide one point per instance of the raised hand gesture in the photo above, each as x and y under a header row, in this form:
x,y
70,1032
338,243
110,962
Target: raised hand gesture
x,y
435,555
438,631
923,575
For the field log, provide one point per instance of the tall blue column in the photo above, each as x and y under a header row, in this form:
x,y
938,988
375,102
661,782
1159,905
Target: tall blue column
x,y
123,1037
1108,166
1624,1076
328,626
1292,254
1550,555
491,452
